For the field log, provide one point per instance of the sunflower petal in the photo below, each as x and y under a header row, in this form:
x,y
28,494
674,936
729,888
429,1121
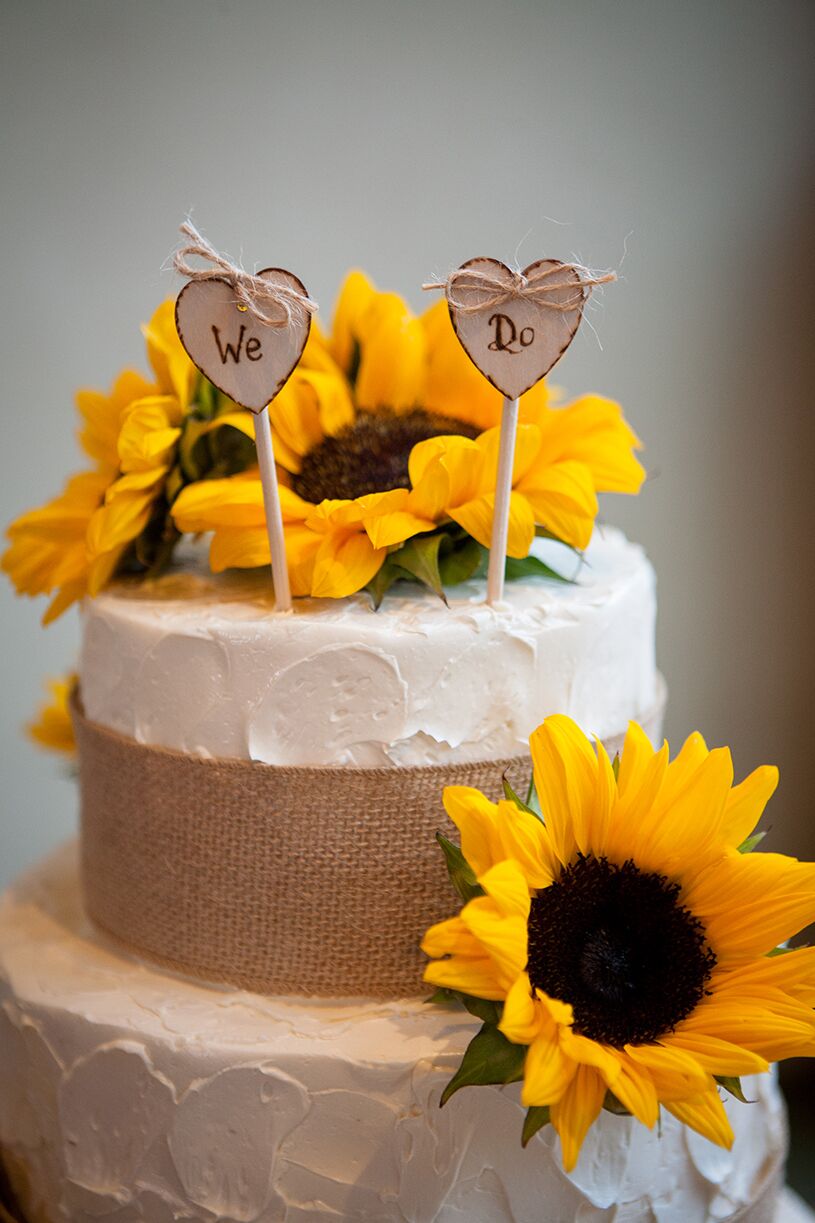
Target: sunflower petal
x,y
453,385
576,1111
669,1066
480,978
477,820
594,431
590,1053
503,938
525,839
714,1055
451,937
635,1090
547,1070
562,499
565,767
505,884
476,517
684,822
445,472
344,564
754,1024
355,298
637,754
750,903
527,444
523,1019
246,548
706,1115
746,802
393,355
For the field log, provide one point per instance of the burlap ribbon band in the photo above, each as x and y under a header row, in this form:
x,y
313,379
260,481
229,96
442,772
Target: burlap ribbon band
x,y
280,880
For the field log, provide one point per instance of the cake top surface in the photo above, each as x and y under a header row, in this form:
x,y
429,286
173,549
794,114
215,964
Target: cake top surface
x,y
190,592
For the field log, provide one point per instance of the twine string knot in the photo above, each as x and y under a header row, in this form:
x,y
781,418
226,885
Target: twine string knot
x,y
272,304
539,287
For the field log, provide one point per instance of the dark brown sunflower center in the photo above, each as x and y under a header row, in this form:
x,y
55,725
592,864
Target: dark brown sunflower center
x,y
370,456
615,942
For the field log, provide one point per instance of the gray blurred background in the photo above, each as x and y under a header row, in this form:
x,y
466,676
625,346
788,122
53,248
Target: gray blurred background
x,y
406,138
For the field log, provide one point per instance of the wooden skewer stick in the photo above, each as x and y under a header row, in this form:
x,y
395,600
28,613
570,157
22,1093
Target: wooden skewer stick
x,y
274,516
503,493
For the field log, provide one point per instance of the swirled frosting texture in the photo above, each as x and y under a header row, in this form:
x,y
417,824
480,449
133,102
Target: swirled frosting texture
x,y
127,1094
202,664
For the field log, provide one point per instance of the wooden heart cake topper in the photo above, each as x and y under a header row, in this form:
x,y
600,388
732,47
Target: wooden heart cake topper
x,y
246,333
514,326
249,360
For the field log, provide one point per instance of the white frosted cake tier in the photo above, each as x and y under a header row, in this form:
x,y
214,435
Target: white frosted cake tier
x,y
202,664
129,1094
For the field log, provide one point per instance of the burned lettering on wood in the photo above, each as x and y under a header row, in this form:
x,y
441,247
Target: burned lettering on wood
x,y
253,347
507,334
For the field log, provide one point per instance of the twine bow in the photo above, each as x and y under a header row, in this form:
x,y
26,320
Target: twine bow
x,y
254,293
538,287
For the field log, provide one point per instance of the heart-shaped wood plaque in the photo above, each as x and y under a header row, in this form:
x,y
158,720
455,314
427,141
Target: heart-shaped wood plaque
x,y
516,342
246,359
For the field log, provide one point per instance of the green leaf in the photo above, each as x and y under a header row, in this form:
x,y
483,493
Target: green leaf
x,y
419,558
354,363
531,566
749,845
784,950
482,1008
490,1059
382,581
461,561
615,767
206,398
510,794
612,1105
733,1085
536,1118
193,458
443,997
174,484
462,875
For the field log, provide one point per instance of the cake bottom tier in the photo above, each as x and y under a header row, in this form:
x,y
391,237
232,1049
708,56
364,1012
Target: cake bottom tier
x,y
129,1094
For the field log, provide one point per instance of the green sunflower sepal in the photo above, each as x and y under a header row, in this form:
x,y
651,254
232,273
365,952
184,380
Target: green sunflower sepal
x,y
446,557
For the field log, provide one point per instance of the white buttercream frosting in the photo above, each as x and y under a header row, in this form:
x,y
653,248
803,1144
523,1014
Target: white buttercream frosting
x,y
127,1094
204,665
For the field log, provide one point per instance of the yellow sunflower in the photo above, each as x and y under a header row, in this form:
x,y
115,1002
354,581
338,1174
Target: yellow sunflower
x,y
53,727
332,549
390,404
626,940
72,546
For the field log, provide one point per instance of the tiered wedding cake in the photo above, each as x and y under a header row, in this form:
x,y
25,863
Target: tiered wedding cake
x,y
212,1008
131,1093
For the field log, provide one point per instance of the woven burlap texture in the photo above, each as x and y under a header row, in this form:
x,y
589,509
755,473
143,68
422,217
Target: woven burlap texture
x,y
281,880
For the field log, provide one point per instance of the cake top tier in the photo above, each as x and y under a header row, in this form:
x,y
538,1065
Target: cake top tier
x,y
196,662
